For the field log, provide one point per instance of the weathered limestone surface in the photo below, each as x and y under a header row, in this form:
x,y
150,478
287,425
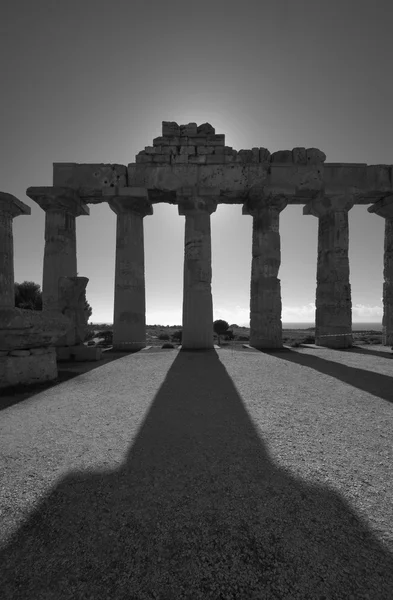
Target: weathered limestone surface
x,y
333,317
28,368
61,206
79,353
89,177
384,208
265,303
25,329
71,304
131,205
197,205
10,207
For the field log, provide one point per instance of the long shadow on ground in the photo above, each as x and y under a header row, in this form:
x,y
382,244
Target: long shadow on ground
x,y
380,353
197,510
66,370
374,383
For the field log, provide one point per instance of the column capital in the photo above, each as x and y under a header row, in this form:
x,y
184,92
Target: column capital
x,y
319,207
256,204
383,208
58,198
129,199
9,205
196,200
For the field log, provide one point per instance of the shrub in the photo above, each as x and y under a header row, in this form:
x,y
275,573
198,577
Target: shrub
x,y
243,338
229,335
167,345
177,336
310,339
163,336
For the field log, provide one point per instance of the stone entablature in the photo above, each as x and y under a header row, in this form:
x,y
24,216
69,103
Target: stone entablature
x,y
192,156
191,166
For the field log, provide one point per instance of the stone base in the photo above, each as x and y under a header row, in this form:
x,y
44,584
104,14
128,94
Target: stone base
x,y
129,346
78,353
26,367
334,341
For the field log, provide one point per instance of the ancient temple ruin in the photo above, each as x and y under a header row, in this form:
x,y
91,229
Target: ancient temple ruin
x,y
191,166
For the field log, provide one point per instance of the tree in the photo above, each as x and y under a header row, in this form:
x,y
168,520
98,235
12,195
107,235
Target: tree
x,y
220,327
28,295
88,310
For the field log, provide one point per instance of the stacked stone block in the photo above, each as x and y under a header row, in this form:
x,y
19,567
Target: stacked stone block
x,y
193,144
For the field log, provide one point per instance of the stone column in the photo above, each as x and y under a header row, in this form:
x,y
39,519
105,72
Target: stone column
x,y
129,321
61,206
197,205
384,208
10,207
333,316
265,302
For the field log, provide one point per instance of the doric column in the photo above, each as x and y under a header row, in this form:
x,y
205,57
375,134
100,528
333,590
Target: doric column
x,y
61,206
129,321
197,205
333,316
265,301
10,207
384,208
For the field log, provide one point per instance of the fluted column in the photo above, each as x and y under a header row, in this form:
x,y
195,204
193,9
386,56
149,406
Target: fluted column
x,y
197,205
129,321
333,315
10,207
62,206
384,208
265,300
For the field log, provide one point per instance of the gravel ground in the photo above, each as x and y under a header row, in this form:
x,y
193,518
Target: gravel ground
x,y
230,474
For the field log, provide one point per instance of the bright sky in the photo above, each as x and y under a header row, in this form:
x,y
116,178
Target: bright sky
x,y
91,81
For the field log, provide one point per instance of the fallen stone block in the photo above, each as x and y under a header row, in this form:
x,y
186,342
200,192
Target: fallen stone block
x,y
27,369
80,353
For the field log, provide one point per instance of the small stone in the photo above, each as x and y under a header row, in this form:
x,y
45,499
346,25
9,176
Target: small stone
x,y
162,158
199,160
215,159
281,156
143,158
169,150
206,128
170,128
19,353
199,140
181,159
245,156
315,156
299,156
187,150
264,155
189,129
161,141
153,150
216,140
205,149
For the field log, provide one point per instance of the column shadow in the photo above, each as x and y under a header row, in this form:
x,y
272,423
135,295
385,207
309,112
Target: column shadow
x,y
197,510
374,383
381,354
66,370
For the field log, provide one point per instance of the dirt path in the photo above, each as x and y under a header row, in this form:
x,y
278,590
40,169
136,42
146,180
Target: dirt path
x,y
228,474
